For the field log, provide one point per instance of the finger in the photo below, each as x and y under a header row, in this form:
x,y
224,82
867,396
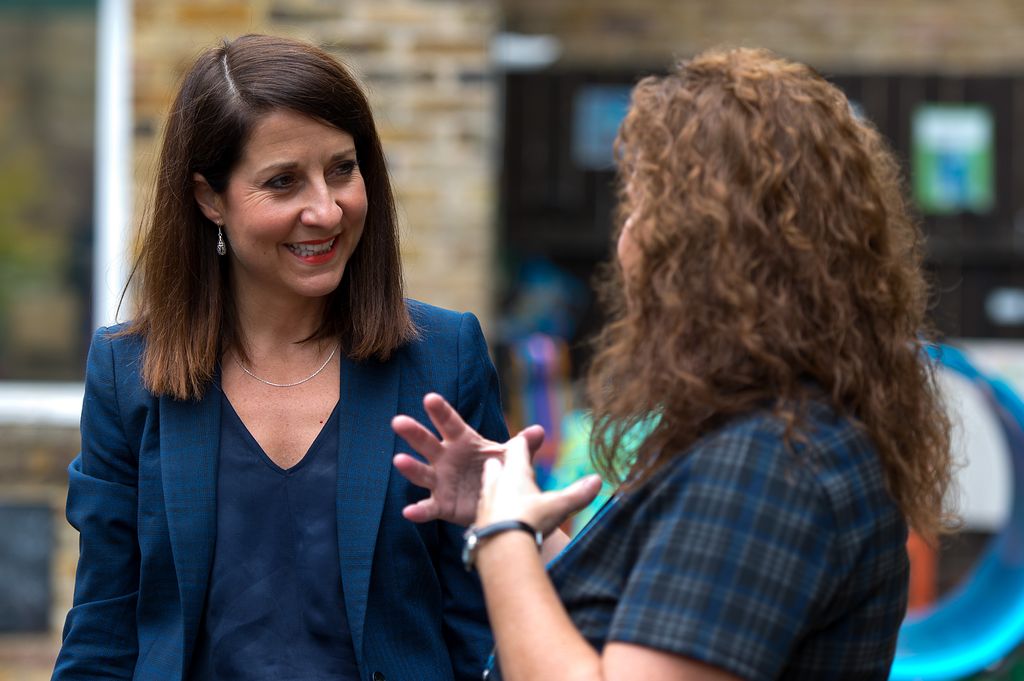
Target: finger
x,y
534,436
517,454
489,477
422,511
418,436
444,417
415,471
562,503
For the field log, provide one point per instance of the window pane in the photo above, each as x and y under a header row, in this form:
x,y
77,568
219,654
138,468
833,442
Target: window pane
x,y
47,85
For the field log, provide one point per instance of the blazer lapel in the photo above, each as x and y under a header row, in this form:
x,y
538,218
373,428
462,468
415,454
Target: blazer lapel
x,y
369,398
189,444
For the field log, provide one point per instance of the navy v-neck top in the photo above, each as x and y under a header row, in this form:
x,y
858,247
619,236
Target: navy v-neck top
x,y
275,609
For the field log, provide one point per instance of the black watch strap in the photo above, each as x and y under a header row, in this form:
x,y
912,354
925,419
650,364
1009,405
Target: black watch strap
x,y
473,536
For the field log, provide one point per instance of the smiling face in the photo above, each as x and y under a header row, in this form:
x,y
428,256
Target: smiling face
x,y
293,209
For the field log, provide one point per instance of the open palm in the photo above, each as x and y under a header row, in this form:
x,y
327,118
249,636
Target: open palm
x,y
454,463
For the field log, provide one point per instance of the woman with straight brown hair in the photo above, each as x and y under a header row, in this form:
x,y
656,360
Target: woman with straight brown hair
x,y
237,514
767,313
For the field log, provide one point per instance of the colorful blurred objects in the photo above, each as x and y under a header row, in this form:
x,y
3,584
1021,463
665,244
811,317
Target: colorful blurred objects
x,y
976,626
573,463
539,376
573,460
923,573
545,299
542,315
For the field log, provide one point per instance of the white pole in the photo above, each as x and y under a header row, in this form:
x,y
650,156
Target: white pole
x,y
113,156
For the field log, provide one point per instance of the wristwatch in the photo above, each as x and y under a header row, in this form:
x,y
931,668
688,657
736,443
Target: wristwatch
x,y
473,536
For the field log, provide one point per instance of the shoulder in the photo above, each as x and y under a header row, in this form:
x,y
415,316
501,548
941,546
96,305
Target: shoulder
x,y
748,469
438,328
119,340
826,475
828,452
432,320
821,450
115,358
450,346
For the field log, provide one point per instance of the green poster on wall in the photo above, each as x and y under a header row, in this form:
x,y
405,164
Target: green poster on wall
x,y
953,158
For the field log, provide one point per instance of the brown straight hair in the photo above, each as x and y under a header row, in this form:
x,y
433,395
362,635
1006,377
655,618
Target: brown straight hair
x,y
183,303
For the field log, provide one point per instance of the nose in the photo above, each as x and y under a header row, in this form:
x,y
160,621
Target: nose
x,y
322,208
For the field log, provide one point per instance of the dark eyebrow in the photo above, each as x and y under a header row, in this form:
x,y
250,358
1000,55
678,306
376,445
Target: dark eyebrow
x,y
344,155
274,168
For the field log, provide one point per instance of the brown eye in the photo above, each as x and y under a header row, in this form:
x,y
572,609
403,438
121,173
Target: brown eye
x,y
280,182
345,168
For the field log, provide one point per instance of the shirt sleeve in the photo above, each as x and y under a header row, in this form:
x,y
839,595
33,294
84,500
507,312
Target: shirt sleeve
x,y
99,638
735,560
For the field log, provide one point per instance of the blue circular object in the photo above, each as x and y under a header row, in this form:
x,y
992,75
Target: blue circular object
x,y
982,621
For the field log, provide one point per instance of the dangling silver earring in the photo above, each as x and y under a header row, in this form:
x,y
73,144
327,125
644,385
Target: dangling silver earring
x,y
222,248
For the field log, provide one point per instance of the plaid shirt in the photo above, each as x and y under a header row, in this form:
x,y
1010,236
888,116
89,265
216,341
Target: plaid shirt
x,y
765,562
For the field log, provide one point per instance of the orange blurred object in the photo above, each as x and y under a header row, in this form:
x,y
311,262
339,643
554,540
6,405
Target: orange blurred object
x,y
924,564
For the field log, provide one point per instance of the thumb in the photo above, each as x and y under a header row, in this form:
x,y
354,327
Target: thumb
x,y
534,436
489,476
562,503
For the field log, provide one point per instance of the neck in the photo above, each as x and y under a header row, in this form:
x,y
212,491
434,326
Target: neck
x,y
271,348
272,325
274,331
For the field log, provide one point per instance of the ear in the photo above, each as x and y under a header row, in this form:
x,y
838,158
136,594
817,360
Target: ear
x,y
209,201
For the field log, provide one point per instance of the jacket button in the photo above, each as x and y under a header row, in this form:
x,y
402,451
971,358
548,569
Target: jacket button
x,y
377,676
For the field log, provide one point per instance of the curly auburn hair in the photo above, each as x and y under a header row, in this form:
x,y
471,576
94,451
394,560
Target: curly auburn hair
x,y
778,264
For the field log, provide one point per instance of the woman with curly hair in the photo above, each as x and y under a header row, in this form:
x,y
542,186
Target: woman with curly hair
x,y
766,322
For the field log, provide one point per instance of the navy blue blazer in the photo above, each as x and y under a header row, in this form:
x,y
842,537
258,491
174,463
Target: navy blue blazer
x,y
142,495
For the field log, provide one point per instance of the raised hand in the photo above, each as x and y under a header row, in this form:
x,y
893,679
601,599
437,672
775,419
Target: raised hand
x,y
454,464
509,492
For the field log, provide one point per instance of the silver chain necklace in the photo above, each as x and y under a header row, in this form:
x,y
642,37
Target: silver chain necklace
x,y
288,385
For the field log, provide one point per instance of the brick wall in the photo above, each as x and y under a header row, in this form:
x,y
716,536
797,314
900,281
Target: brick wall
x,y
425,64
951,36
